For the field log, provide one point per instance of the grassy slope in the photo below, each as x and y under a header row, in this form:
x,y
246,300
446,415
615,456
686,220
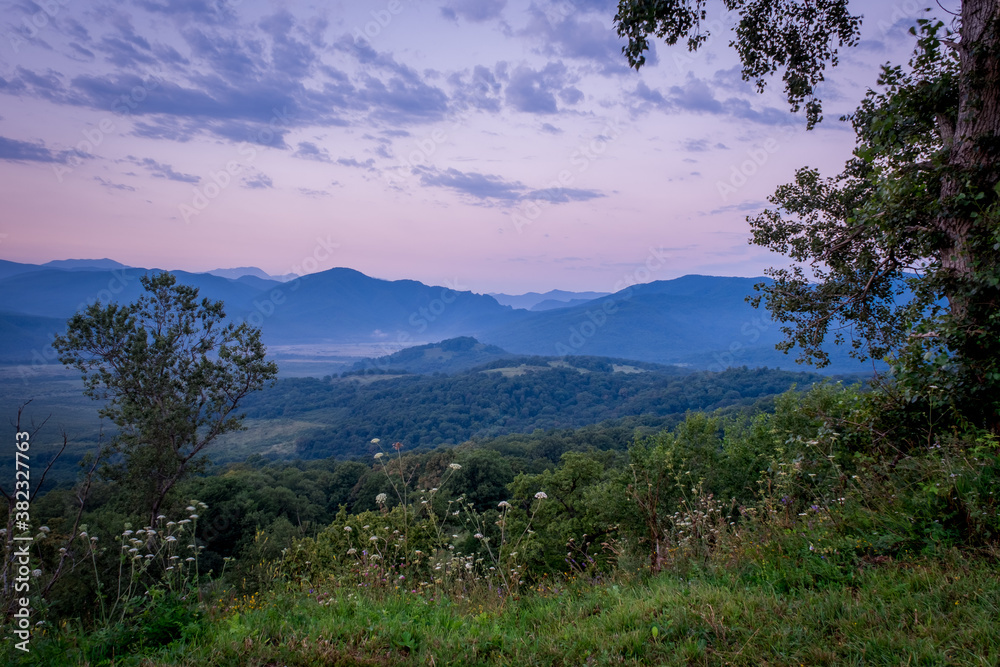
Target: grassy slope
x,y
926,613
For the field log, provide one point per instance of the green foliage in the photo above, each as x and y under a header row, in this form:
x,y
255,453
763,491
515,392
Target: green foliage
x,y
902,248
577,529
172,375
799,38
344,414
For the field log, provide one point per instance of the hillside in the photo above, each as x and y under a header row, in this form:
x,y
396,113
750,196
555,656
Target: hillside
x,y
312,418
448,356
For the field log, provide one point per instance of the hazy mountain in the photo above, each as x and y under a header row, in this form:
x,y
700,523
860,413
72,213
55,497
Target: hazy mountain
x,y
261,284
702,321
87,264
239,272
345,305
552,304
60,293
8,268
697,321
530,299
26,339
448,356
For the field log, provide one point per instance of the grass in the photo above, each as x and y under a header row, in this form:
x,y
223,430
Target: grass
x,y
896,613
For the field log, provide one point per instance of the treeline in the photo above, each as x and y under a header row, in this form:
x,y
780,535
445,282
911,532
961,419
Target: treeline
x,y
518,395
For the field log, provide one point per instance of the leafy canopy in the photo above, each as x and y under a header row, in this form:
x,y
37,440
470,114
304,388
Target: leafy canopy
x,y
172,373
799,38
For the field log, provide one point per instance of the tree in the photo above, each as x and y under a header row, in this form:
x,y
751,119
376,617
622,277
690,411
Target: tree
x,y
902,249
172,373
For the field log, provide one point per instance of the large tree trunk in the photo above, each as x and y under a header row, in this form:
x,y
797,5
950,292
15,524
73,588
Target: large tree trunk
x,y
974,141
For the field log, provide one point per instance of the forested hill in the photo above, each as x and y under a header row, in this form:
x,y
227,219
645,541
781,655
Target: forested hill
x,y
313,418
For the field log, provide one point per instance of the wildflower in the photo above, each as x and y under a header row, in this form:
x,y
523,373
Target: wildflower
x,y
189,559
83,534
127,533
541,495
44,529
373,538
454,466
375,441
36,573
352,551
171,538
190,508
503,504
171,523
381,498
478,536
379,455
160,517
397,446
347,529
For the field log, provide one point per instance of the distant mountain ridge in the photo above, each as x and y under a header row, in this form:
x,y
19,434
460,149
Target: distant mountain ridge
x,y
241,271
89,264
529,300
702,322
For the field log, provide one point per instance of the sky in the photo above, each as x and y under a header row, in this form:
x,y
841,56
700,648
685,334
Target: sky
x,y
488,145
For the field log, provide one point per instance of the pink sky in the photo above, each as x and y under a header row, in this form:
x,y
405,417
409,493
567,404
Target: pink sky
x,y
496,145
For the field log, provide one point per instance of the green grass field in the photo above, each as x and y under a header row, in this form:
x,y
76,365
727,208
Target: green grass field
x,y
895,613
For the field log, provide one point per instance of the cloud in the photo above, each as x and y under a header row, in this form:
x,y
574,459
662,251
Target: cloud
x,y
258,181
698,96
241,82
351,162
562,195
479,186
549,128
475,11
573,37
160,170
114,186
702,145
534,91
14,150
651,95
310,151
487,187
309,192
479,88
741,207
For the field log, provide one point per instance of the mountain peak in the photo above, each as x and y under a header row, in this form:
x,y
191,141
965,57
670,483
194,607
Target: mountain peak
x,y
90,264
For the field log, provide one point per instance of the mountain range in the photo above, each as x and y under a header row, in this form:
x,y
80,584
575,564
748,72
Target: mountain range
x,y
702,322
